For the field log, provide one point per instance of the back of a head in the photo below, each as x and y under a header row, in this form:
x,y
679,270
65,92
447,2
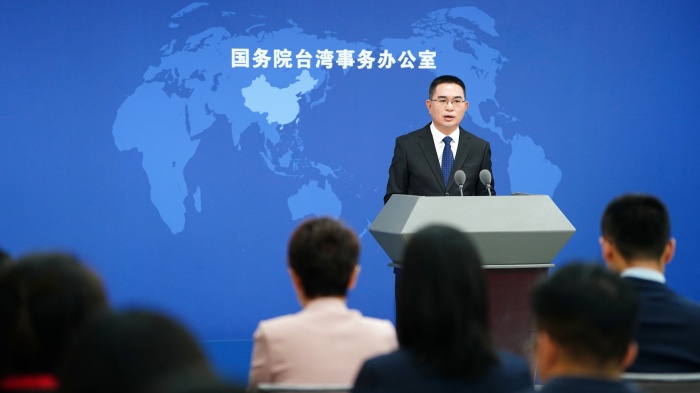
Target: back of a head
x,y
589,311
638,225
5,260
442,303
45,299
323,253
133,351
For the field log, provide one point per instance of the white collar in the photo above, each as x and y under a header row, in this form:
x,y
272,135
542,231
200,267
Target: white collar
x,y
327,302
643,273
439,136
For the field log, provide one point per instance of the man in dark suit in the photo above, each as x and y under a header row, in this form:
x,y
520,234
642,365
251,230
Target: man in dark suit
x,y
636,242
585,317
426,160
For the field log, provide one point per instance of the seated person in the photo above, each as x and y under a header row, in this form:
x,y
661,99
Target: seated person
x,y
443,314
325,342
585,317
45,299
136,351
636,242
5,260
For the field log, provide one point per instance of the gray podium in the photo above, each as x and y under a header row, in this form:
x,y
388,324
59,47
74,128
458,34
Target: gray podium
x,y
518,237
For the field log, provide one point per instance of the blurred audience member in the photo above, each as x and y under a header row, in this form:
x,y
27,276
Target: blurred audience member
x,y
585,318
201,387
443,313
5,260
45,299
325,342
136,351
636,242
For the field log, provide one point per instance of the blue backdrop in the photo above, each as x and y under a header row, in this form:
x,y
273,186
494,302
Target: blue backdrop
x,y
133,136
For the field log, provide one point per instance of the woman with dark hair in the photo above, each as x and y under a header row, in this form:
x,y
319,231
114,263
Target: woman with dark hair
x,y
5,260
137,351
442,315
45,299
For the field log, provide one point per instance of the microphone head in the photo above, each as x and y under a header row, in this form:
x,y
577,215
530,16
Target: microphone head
x,y
485,177
460,177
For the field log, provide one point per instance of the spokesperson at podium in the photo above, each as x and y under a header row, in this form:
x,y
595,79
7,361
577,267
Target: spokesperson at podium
x,y
425,160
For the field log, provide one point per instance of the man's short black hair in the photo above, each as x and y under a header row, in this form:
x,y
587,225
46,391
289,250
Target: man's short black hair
x,y
445,79
323,253
638,225
588,310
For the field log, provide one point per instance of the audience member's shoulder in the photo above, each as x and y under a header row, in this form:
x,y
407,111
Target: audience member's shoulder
x,y
580,385
690,306
509,359
182,383
280,322
399,370
396,359
381,331
680,299
643,284
515,367
382,324
691,312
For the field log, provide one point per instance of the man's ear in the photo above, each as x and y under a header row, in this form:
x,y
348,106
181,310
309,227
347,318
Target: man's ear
x,y
611,255
353,277
630,356
547,355
669,251
606,250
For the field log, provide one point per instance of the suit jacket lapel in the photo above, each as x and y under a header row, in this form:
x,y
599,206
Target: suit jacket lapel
x,y
462,152
428,147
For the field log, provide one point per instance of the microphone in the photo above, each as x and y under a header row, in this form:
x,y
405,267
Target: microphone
x,y
485,177
460,178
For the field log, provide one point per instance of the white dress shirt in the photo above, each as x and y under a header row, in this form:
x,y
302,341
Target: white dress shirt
x,y
440,145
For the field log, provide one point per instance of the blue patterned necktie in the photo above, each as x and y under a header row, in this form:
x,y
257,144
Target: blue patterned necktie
x,y
447,159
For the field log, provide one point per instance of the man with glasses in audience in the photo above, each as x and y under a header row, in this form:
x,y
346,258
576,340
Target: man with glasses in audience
x,y
426,160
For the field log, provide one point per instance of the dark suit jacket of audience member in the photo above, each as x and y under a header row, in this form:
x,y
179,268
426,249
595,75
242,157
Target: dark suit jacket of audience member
x,y
586,385
668,333
397,372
